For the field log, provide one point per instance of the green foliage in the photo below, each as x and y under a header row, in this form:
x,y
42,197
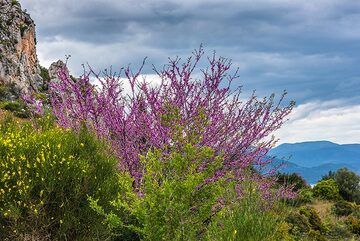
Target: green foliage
x,y
14,2
305,196
329,175
9,91
316,235
343,208
339,231
313,218
327,189
353,223
11,106
23,28
299,224
44,73
10,100
46,174
349,185
247,220
171,204
306,224
292,179
18,108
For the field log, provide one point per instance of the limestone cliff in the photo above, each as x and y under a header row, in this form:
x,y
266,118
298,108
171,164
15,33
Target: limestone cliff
x,y
18,59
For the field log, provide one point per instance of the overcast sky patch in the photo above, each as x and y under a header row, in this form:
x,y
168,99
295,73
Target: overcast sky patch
x,y
309,48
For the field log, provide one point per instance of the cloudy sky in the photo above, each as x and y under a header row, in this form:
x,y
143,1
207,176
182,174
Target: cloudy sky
x,y
309,48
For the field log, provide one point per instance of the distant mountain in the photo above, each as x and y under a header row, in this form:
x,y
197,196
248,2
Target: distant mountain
x,y
314,159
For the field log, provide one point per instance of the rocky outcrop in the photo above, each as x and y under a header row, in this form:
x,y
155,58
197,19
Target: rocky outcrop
x,y
18,59
55,68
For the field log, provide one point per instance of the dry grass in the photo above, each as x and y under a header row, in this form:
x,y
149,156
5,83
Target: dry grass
x,y
323,207
324,210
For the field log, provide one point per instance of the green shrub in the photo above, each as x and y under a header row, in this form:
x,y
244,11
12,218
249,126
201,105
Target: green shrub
x,y
16,107
316,235
14,2
293,179
283,232
353,223
298,224
44,73
173,204
46,175
349,184
343,208
304,196
306,224
313,218
23,28
327,189
329,175
247,220
338,231
11,106
170,204
9,91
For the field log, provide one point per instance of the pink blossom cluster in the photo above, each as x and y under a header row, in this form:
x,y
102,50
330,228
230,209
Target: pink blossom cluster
x,y
204,111
34,104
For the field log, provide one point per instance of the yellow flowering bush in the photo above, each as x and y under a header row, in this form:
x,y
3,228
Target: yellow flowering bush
x,y
46,175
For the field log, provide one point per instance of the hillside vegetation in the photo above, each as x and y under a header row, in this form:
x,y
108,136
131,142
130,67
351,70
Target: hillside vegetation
x,y
180,161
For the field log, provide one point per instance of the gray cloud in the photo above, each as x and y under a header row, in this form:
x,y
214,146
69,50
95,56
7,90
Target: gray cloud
x,y
310,48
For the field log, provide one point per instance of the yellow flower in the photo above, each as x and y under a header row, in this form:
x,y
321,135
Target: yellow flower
x,y
82,144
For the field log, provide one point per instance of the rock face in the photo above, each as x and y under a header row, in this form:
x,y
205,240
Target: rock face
x,y
18,59
55,68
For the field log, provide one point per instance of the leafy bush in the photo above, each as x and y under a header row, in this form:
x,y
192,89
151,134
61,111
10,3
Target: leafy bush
x,y
44,73
327,189
299,224
293,179
353,223
16,107
177,202
339,231
9,91
349,184
23,28
12,106
183,146
46,175
14,2
10,100
343,208
313,218
329,175
316,235
205,110
304,196
247,220
172,203
306,224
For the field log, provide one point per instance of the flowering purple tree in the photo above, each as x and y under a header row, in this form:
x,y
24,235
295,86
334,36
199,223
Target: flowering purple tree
x,y
206,111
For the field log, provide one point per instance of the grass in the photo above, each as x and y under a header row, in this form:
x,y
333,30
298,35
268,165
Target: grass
x,y
336,225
